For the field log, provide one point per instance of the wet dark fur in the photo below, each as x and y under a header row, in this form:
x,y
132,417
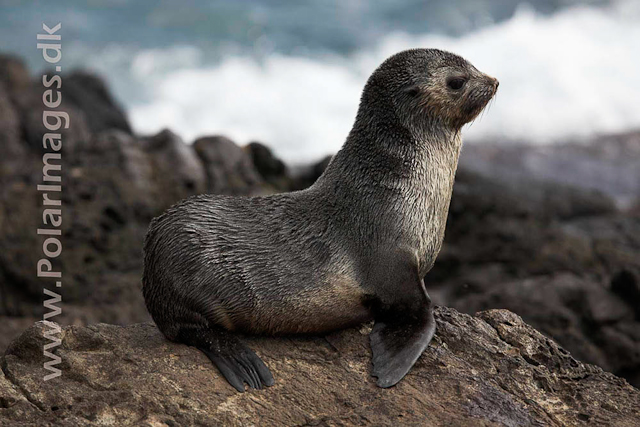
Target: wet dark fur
x,y
354,246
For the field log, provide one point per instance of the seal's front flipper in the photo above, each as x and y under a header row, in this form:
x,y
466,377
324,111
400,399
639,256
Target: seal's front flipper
x,y
403,313
397,345
237,362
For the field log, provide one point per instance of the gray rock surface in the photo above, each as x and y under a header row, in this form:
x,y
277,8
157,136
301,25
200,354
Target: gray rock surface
x,y
491,369
551,254
608,163
595,323
229,169
272,169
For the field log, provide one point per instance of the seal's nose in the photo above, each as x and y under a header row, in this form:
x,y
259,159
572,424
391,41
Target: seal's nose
x,y
492,83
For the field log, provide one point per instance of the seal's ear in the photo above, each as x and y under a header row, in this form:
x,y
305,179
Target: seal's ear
x,y
412,90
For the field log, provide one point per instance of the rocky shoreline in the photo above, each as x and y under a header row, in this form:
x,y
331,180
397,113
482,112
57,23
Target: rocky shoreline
x,y
489,369
563,252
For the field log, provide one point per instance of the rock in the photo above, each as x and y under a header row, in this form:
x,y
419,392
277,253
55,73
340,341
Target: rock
x,y
271,169
14,152
20,408
511,245
278,175
491,369
12,327
528,227
84,97
522,197
14,80
30,108
534,229
13,73
89,94
20,216
177,170
304,177
585,316
607,163
106,183
626,284
615,241
228,168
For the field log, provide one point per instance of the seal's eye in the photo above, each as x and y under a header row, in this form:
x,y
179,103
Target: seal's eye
x,y
456,83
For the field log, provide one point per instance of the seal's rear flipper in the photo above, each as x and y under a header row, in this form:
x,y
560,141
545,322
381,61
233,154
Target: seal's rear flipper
x,y
397,345
237,362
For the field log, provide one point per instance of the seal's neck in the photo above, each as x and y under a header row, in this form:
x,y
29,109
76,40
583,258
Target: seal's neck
x,y
398,180
384,158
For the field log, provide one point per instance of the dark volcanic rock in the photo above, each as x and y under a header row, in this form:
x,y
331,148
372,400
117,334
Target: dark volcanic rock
x,y
587,317
14,74
14,151
89,94
537,228
511,245
492,369
305,176
607,163
25,97
176,167
626,285
278,175
14,79
272,169
85,98
229,169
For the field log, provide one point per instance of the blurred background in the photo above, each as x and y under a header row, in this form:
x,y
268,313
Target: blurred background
x,y
568,68
168,99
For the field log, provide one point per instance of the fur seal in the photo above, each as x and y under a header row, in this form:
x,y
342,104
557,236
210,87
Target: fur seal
x,y
353,247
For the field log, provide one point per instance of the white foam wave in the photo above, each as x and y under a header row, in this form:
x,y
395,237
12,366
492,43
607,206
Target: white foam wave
x,y
303,108
568,75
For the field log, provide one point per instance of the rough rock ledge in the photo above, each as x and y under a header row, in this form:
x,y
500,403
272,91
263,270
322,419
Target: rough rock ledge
x,y
491,369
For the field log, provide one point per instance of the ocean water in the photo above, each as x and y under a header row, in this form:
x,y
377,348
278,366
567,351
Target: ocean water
x,y
290,74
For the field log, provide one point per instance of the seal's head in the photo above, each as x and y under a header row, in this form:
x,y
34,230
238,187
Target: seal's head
x,y
429,89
